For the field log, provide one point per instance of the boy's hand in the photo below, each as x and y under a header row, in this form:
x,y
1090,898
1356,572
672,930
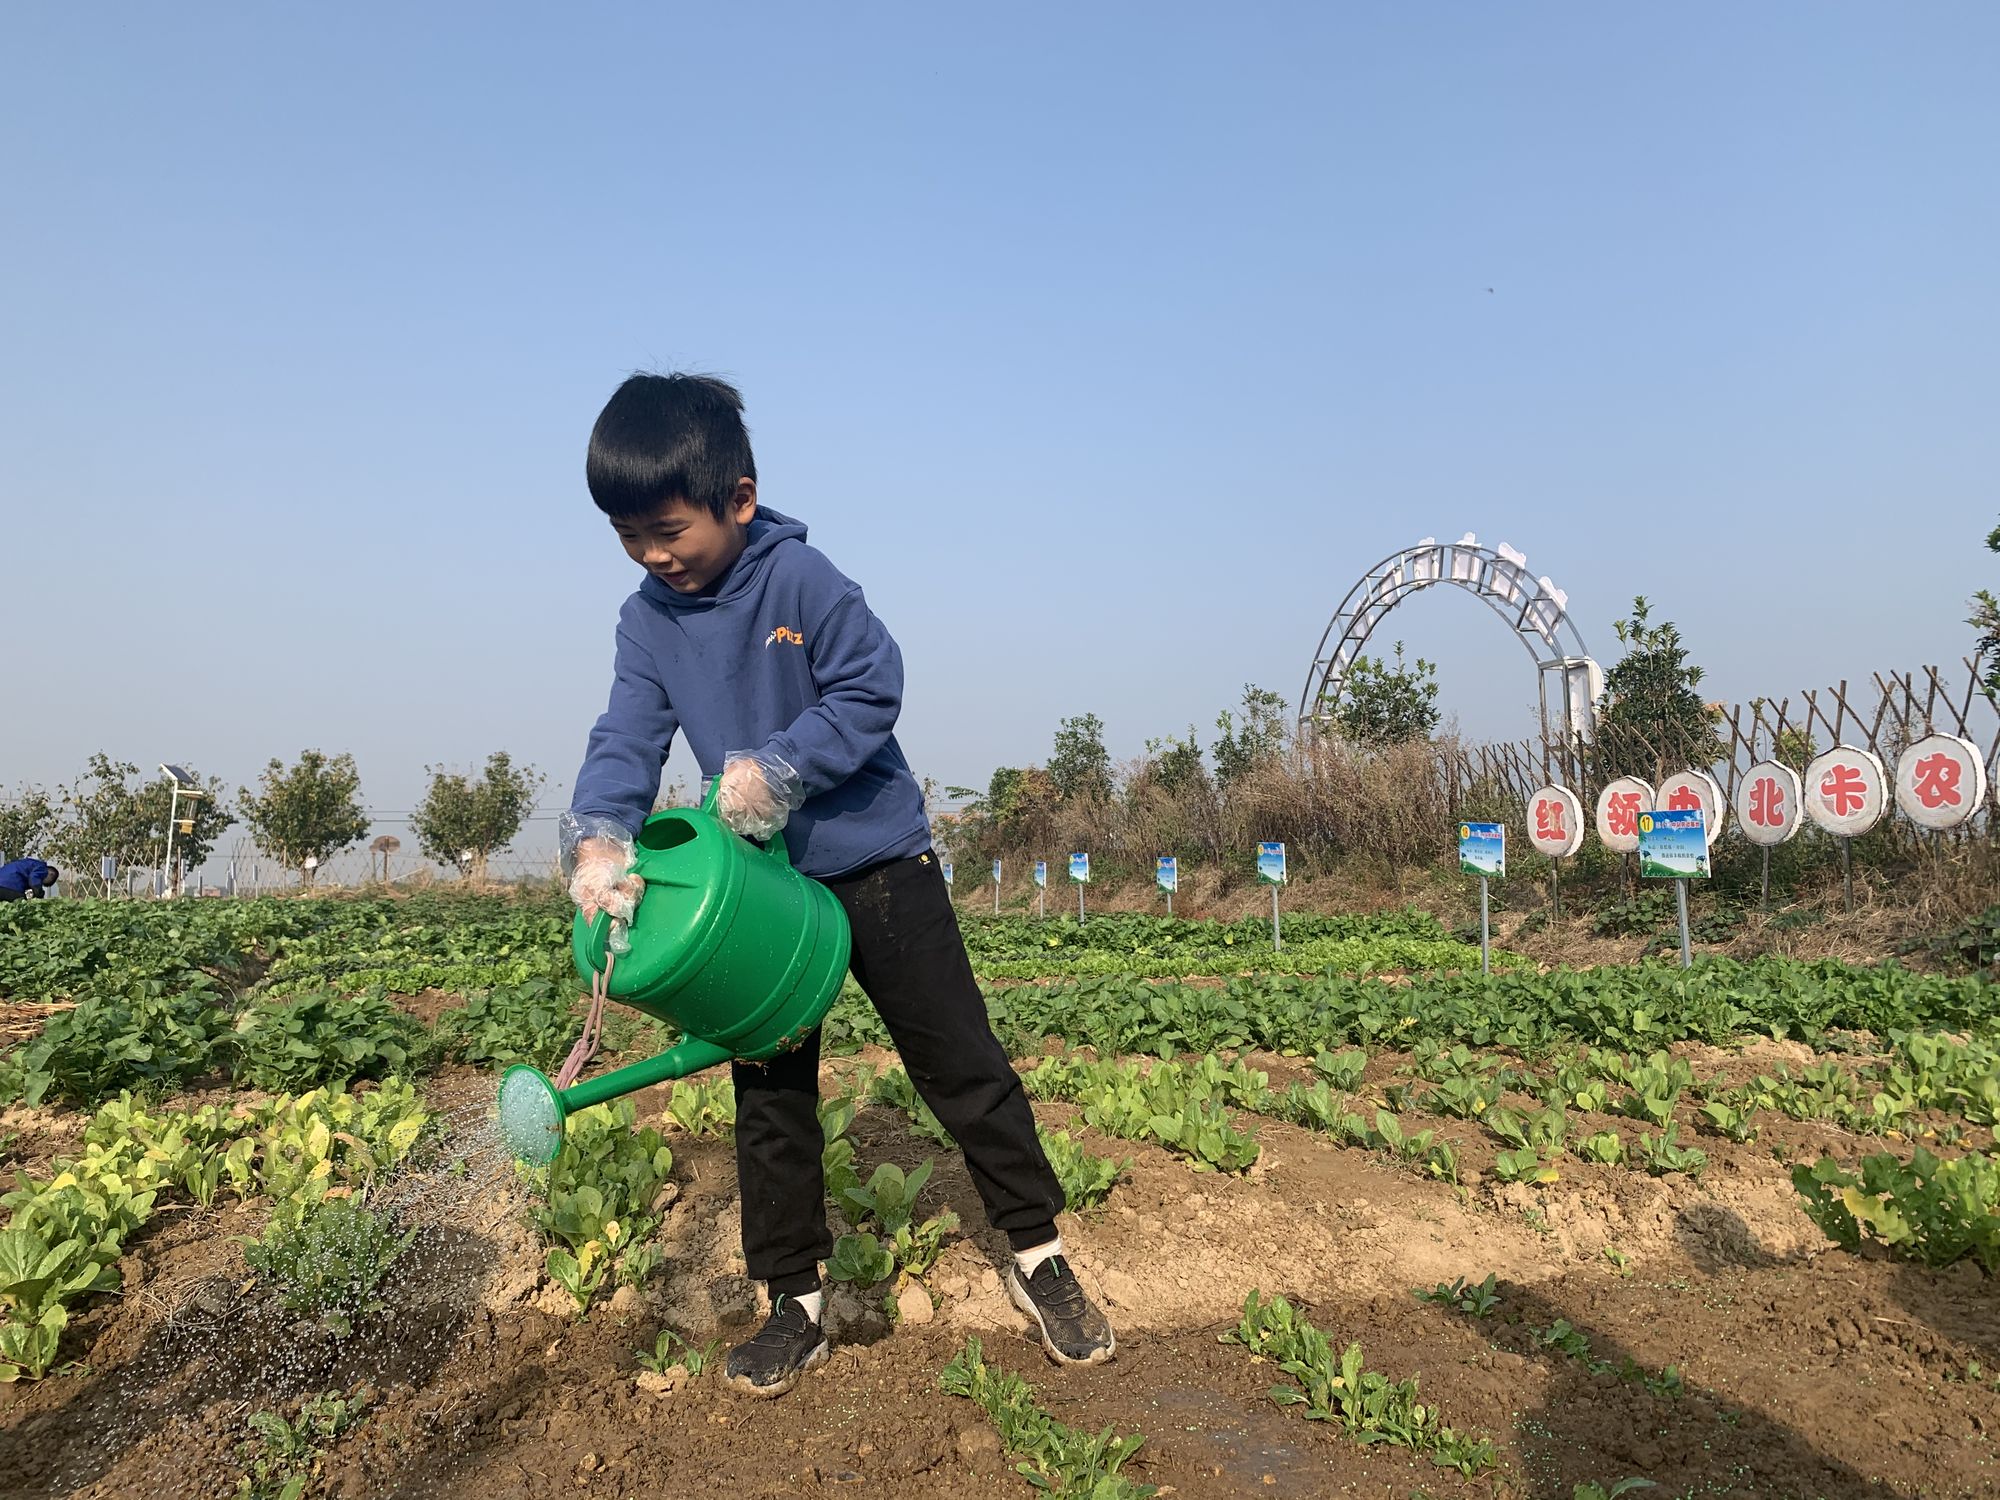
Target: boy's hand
x,y
758,793
605,881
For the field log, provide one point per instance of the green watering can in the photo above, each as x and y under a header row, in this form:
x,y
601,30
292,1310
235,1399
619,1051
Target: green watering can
x,y
730,944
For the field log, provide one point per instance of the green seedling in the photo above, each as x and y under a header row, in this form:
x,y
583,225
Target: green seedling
x,y
1369,1406
705,1108
1602,1146
670,1349
1729,1120
1664,1155
1479,1299
1054,1458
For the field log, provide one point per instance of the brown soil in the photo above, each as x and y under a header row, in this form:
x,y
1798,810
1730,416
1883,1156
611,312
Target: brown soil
x,y
1808,1371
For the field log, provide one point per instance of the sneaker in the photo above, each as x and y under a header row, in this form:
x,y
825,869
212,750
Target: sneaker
x,y
770,1361
1073,1331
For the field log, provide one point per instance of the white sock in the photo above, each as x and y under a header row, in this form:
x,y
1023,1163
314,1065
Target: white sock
x,y
812,1302
1026,1261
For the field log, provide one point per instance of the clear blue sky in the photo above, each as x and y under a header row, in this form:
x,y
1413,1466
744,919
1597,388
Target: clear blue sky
x,y
1105,345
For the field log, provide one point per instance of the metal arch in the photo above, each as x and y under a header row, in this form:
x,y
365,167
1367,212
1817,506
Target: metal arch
x,y
1533,608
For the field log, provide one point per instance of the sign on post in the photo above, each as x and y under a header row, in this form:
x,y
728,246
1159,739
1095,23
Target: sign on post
x,y
1271,870
1618,808
996,887
1079,871
1694,789
1940,781
1482,851
1769,811
1847,792
1673,845
1041,886
945,865
1167,876
1555,828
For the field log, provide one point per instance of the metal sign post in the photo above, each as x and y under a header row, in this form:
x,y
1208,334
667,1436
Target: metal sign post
x,y
1167,876
1041,886
1555,828
996,887
1482,851
1847,792
1673,845
1769,812
1079,871
1271,870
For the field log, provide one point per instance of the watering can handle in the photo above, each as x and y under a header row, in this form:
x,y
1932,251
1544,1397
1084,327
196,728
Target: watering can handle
x,y
774,845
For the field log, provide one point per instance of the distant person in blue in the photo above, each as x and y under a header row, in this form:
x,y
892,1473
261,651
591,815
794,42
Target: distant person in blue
x,y
787,686
26,879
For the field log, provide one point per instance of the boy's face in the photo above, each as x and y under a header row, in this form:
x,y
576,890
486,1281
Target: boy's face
x,y
684,546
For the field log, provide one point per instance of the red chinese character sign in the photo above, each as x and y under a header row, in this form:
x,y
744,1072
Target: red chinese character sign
x,y
1768,807
1846,791
1940,781
1555,822
1618,809
1693,791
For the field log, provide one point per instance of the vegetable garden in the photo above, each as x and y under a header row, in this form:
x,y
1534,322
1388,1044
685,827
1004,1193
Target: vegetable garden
x,y
1367,1222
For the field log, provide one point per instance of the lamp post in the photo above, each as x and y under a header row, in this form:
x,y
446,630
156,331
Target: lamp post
x,y
184,786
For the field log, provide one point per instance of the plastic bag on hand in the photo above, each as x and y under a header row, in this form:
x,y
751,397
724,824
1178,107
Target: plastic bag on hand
x,y
759,792
597,861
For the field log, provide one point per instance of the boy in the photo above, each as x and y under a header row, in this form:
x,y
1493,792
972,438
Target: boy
x,y
753,645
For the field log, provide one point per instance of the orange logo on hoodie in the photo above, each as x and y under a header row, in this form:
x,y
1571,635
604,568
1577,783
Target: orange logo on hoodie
x,y
784,635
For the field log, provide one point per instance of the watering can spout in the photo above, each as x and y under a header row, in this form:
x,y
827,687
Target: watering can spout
x,y
532,1112
732,947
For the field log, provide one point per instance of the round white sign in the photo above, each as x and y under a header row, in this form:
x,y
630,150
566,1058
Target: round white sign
x,y
1555,822
1768,809
1940,781
1846,791
1618,809
1692,789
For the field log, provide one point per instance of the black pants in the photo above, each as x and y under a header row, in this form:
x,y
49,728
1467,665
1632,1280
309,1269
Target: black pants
x,y
910,960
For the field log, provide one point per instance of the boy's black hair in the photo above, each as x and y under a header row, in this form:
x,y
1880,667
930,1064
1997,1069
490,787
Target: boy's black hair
x,y
669,437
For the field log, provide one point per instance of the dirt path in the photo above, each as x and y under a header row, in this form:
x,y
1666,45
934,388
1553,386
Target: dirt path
x,y
1807,1371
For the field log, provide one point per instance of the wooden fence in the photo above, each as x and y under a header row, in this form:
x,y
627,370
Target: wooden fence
x,y
1885,714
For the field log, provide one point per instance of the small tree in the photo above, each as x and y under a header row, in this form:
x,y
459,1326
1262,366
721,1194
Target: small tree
x,y
1985,618
1654,721
462,817
310,811
27,822
1177,764
1080,767
99,816
1382,705
1259,741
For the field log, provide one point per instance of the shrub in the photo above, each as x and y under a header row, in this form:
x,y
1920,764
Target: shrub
x,y
303,1041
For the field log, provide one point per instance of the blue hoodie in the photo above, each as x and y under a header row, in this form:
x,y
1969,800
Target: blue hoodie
x,y
781,655
24,875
